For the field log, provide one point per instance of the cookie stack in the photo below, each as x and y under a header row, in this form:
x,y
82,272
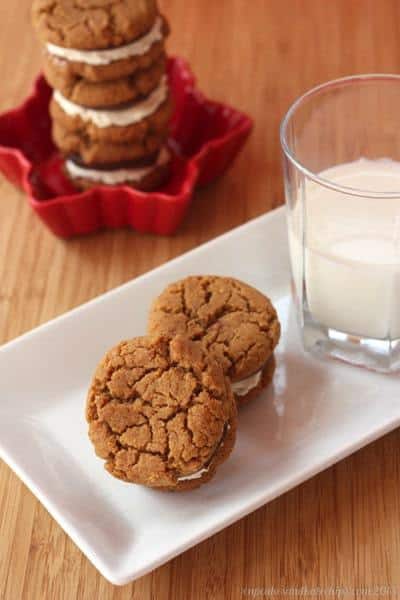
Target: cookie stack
x,y
162,409
111,105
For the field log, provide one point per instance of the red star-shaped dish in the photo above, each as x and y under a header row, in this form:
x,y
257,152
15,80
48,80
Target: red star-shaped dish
x,y
206,136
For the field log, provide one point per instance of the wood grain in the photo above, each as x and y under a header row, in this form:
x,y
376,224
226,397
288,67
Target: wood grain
x,y
341,529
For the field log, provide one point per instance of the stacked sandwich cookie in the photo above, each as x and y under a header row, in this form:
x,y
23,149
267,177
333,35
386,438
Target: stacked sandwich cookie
x,y
111,105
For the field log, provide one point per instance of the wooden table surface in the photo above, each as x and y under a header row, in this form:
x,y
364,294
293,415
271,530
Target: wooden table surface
x,y
337,535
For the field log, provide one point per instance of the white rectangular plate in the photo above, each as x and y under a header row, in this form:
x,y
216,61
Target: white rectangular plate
x,y
315,413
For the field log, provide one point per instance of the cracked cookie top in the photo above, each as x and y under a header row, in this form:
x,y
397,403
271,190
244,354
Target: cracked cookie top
x,y
161,413
92,24
235,322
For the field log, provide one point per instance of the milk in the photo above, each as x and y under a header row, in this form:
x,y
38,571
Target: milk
x,y
351,250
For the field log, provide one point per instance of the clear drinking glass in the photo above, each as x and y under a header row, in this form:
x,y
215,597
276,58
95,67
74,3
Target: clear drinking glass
x,y
341,156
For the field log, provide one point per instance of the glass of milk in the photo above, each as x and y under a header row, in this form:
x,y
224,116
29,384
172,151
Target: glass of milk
x,y
341,156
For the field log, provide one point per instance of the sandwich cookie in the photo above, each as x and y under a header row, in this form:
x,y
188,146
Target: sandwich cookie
x,y
109,64
112,135
161,413
236,323
144,177
101,53
92,24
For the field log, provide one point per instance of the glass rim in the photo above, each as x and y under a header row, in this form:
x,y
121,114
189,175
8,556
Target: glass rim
x,y
349,80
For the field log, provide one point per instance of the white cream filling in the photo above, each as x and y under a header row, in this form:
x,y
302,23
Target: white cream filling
x,y
243,387
117,117
196,475
116,176
108,56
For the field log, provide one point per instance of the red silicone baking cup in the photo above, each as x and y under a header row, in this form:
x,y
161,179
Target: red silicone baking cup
x,y
206,137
